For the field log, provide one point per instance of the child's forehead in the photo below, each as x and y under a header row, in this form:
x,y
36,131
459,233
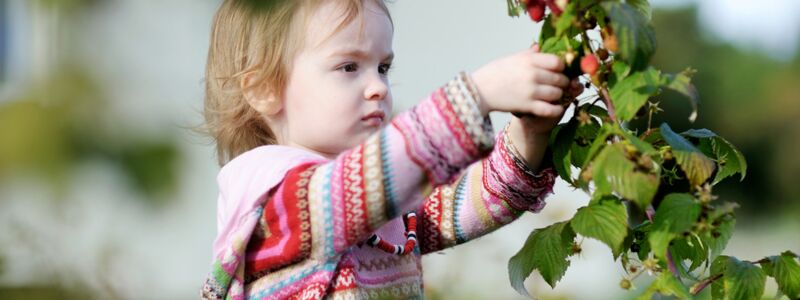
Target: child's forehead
x,y
332,25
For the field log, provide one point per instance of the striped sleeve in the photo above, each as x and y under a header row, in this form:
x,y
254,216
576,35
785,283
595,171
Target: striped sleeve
x,y
487,195
321,209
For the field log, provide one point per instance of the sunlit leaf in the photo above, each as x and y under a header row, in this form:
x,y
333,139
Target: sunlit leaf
x,y
786,271
612,171
740,280
633,91
694,163
605,220
546,250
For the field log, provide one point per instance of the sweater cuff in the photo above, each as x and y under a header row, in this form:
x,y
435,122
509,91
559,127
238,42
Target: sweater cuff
x,y
511,179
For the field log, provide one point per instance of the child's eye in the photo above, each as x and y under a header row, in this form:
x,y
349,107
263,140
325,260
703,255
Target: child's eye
x,y
384,68
351,67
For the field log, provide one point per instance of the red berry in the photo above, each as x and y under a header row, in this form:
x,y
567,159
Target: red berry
x,y
535,10
589,64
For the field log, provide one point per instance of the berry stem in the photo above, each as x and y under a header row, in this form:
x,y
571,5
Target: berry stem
x,y
703,284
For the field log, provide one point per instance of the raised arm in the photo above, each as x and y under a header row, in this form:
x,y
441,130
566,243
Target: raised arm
x,y
487,195
321,209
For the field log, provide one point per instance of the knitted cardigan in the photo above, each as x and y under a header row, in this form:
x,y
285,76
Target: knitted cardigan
x,y
292,224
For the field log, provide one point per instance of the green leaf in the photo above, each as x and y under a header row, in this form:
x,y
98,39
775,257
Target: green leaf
x,y
659,239
599,142
786,271
740,280
557,45
743,280
677,213
694,163
584,135
689,248
725,229
605,220
667,285
701,133
633,91
546,250
682,83
547,31
562,143
564,21
612,171
637,40
642,6
731,160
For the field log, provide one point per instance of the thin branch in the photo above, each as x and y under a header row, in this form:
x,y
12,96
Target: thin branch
x,y
703,284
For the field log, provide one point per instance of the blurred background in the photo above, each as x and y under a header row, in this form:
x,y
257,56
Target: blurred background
x,y
106,192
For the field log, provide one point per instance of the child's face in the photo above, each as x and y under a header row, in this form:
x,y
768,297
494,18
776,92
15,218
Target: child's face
x,y
338,92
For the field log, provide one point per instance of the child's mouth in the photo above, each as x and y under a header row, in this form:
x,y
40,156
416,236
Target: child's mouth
x,y
374,119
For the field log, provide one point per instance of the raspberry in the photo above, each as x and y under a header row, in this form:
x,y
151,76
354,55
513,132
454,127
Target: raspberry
x,y
589,64
535,9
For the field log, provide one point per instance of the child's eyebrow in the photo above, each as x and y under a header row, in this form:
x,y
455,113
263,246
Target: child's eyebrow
x,y
357,53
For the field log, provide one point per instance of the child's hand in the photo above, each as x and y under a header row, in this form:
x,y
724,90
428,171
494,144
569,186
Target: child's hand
x,y
526,82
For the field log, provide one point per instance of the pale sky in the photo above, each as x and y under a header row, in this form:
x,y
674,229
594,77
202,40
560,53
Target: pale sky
x,y
772,26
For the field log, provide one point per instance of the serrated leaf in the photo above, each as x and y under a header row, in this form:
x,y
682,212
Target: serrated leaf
x,y
562,144
697,166
731,160
546,250
605,220
689,248
786,272
637,41
743,280
677,213
682,83
717,244
612,171
629,94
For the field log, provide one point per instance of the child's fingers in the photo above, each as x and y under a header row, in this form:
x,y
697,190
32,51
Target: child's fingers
x,y
535,47
546,109
544,76
547,93
548,61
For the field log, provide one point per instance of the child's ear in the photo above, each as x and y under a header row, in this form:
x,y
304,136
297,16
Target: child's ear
x,y
260,98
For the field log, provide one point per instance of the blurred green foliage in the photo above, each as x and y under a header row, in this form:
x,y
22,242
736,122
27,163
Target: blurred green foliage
x,y
64,121
747,97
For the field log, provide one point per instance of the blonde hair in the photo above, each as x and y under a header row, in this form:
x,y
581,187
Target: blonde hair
x,y
258,37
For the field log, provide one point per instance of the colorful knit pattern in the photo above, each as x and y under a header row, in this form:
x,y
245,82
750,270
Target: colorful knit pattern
x,y
305,241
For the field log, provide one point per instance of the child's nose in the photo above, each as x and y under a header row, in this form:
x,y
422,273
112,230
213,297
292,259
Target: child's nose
x,y
376,89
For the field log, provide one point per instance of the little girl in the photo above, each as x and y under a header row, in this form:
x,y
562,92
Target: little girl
x,y
321,194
